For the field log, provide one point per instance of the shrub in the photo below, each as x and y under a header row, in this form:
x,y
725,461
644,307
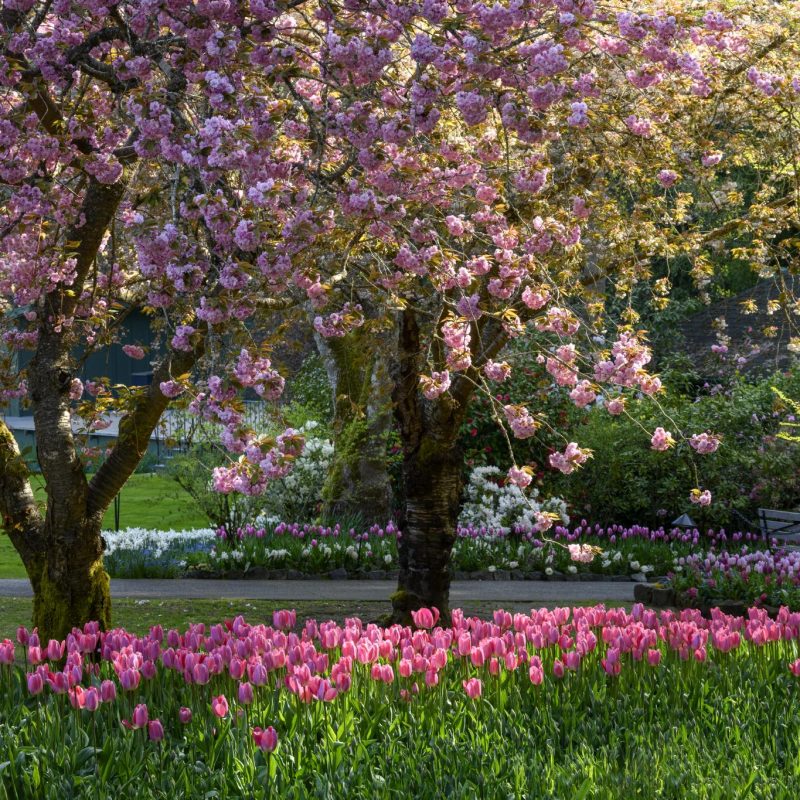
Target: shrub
x,y
626,481
497,505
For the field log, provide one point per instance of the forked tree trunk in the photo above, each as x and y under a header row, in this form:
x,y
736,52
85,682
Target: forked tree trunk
x,y
433,482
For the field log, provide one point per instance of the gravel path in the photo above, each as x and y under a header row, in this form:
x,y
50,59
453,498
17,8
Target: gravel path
x,y
546,592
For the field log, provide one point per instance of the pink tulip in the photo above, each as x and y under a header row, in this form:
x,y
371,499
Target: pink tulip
x,y
35,683
558,668
258,674
535,672
155,730
343,681
108,691
140,715
22,635
431,678
425,617
91,698
404,667
266,740
285,620
185,715
653,657
149,670
55,650
7,652
129,679
58,682
572,660
477,657
245,693
76,697
473,688
236,668
219,705
200,674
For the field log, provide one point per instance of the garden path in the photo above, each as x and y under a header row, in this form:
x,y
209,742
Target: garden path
x,y
545,592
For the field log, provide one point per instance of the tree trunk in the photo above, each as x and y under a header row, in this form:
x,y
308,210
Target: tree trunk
x,y
69,582
432,474
358,480
432,477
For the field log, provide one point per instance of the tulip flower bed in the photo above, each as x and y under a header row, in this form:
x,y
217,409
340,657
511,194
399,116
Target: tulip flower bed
x,y
758,577
319,550
569,703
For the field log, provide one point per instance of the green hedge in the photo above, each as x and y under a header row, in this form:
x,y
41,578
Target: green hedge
x,y
627,482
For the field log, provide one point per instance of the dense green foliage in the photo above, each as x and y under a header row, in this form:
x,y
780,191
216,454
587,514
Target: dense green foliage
x,y
628,482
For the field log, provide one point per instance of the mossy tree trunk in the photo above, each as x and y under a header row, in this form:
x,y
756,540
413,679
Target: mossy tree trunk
x,y
358,481
62,547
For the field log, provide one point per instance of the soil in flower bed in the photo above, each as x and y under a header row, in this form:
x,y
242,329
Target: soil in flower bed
x,y
588,702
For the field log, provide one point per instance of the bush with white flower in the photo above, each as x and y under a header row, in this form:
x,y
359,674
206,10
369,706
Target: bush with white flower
x,y
498,505
298,495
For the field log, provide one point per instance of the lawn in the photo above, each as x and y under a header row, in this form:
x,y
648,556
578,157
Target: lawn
x,y
138,616
147,501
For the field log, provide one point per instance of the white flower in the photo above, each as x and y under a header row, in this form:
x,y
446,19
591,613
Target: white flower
x,y
387,559
548,571
635,565
502,508
606,564
513,564
492,568
572,568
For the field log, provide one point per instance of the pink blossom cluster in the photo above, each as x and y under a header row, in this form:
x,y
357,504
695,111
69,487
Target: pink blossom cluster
x,y
705,442
572,458
435,385
521,421
289,187
661,440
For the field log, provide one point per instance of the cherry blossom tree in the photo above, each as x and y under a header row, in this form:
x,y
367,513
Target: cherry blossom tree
x,y
462,173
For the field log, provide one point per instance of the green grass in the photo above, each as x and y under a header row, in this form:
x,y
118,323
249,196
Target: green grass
x,y
139,615
147,501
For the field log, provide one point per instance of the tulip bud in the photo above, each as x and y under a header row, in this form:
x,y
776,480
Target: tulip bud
x,y
35,683
155,730
140,716
108,691
245,693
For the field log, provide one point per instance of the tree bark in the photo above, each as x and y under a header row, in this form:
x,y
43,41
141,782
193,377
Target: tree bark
x,y
433,483
432,477
358,481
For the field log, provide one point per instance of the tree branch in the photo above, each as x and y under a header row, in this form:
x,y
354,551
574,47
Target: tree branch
x,y
20,515
135,429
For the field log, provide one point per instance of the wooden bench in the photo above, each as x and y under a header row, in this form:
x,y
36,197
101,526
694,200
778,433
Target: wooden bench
x,y
782,525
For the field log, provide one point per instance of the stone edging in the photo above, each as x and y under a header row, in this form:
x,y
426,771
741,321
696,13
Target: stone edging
x,y
662,595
